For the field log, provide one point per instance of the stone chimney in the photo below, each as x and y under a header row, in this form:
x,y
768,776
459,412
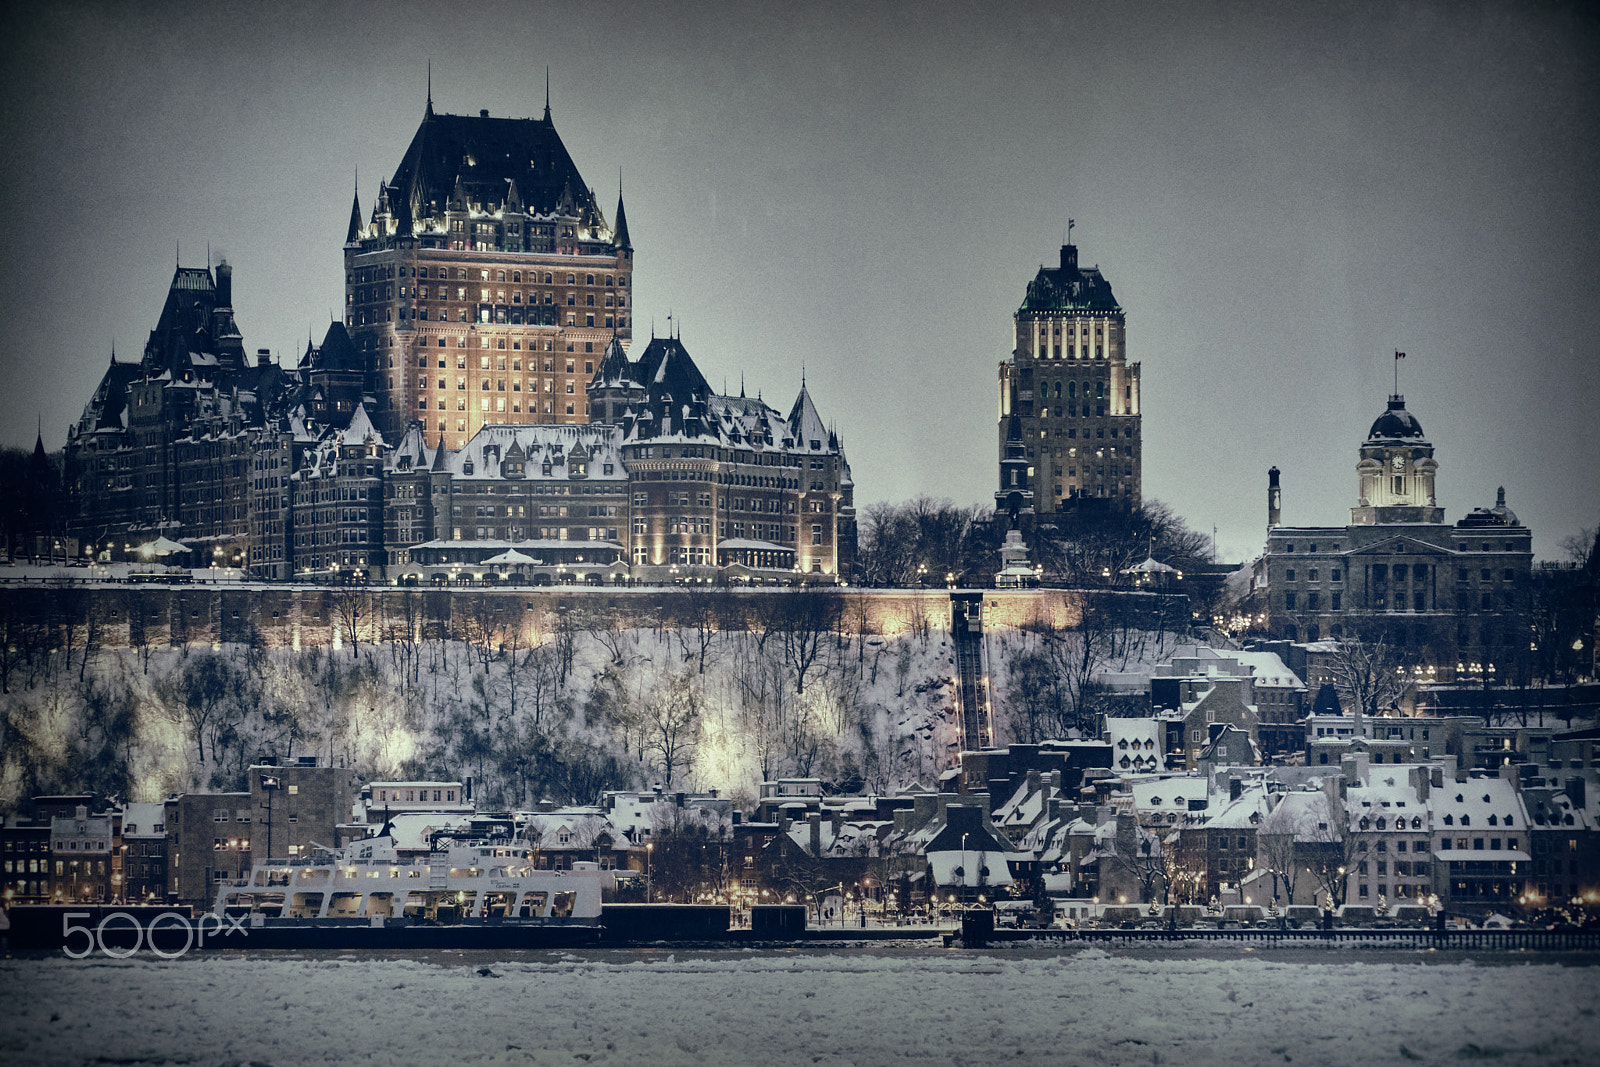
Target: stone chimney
x,y
1274,499
1235,787
814,824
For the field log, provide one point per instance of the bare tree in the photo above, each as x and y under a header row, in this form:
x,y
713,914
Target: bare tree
x,y
1367,674
699,612
605,626
807,618
672,724
484,628
1329,849
348,605
1144,861
1054,687
208,696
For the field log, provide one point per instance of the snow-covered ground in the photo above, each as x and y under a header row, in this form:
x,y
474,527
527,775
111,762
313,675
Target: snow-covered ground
x,y
864,1007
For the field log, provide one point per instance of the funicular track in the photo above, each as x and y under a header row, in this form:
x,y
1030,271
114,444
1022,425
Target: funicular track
x,y
972,692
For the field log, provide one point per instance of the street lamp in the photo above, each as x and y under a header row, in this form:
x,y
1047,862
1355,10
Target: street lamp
x,y
649,890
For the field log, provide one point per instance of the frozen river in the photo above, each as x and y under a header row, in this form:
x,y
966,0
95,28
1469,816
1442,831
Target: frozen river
x,y
887,1005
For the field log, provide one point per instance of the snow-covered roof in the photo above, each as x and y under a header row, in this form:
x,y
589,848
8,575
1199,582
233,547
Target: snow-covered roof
x,y
1245,813
510,556
977,868
1304,813
1167,795
597,445
1139,741
1478,803
360,431
141,820
1268,669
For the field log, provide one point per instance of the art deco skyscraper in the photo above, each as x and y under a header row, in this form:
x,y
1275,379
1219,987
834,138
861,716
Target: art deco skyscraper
x,y
1069,399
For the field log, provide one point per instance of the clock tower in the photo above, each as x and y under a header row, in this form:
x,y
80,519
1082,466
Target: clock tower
x,y
1396,472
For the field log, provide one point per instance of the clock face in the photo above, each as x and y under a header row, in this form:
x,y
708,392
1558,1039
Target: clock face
x,y
1399,463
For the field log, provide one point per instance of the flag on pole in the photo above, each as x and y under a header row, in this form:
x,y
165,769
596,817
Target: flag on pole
x,y
1399,355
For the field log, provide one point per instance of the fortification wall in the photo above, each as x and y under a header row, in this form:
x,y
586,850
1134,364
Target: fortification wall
x,y
111,615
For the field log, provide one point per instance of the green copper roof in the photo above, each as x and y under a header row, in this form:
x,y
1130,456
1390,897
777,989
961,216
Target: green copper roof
x,y
1069,288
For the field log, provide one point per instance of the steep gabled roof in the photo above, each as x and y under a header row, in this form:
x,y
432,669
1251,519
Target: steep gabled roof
x,y
360,429
805,425
338,352
486,154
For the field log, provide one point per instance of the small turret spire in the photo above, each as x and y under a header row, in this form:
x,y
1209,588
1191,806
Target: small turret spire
x,y
547,92
429,109
620,238
353,234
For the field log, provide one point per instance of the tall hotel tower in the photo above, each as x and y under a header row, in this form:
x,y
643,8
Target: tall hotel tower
x,y
486,282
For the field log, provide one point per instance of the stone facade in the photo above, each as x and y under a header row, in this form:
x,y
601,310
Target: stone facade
x,y
1069,399
1444,594
486,282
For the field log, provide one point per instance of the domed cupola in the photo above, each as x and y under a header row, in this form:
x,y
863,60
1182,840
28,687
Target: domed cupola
x,y
1396,472
1395,424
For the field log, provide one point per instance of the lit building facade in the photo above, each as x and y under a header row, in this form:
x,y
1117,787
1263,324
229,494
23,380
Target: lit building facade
x,y
1444,594
1069,427
485,283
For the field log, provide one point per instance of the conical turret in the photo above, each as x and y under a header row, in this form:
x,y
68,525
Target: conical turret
x,y
353,234
620,238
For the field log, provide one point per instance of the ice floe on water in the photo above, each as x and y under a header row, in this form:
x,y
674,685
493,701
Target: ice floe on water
x,y
825,1008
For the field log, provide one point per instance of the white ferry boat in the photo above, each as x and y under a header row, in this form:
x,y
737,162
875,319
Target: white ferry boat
x,y
461,894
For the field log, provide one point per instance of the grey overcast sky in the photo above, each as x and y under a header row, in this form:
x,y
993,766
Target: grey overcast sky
x,y
1281,195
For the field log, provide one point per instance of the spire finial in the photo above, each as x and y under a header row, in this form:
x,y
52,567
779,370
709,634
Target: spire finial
x,y
547,92
430,83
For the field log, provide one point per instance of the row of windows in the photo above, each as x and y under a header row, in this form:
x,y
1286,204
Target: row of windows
x,y
361,277
499,384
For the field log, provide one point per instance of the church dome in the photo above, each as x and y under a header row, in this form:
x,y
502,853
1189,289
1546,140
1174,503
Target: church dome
x,y
1396,423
